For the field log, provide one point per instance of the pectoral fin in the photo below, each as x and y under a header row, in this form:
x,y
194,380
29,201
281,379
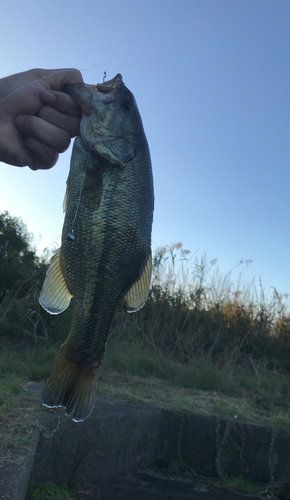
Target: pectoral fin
x,y
55,296
136,297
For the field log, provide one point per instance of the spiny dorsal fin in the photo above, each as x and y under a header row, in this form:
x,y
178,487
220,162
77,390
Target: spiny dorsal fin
x,y
136,297
65,200
55,296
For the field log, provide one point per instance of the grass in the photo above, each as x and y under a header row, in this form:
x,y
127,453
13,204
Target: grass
x,y
261,491
50,491
201,343
154,392
149,379
19,408
152,380
231,484
201,373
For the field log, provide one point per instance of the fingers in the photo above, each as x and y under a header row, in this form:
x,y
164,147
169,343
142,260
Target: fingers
x,y
61,111
44,132
69,124
43,157
43,139
52,79
60,77
61,102
38,118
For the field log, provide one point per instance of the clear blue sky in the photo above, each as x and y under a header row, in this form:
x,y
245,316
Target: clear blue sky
x,y
212,82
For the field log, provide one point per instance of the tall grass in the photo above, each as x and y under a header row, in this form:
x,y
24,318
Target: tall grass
x,y
193,313
194,317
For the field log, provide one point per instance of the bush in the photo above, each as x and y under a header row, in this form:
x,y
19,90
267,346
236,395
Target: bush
x,y
192,313
196,314
22,272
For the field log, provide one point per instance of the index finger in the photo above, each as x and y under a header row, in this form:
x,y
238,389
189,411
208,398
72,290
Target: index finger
x,y
55,79
61,102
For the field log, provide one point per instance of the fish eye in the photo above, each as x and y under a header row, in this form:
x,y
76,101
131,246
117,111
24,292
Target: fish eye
x,y
127,105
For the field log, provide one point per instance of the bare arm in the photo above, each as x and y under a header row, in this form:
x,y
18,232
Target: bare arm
x,y
37,120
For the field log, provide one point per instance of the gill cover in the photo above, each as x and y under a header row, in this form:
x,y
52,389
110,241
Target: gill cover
x,y
101,129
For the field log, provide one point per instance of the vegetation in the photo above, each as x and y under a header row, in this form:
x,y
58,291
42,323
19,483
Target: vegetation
x,y
197,330
49,491
202,342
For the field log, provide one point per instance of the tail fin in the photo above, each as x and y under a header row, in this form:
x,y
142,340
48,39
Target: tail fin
x,y
72,387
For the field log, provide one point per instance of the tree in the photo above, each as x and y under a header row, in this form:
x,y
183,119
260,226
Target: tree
x,y
18,261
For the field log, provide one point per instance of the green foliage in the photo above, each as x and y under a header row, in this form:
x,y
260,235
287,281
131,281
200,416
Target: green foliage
x,y
18,261
192,314
221,333
22,272
49,491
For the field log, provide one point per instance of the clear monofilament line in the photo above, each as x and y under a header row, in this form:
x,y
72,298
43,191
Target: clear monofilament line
x,y
71,235
49,76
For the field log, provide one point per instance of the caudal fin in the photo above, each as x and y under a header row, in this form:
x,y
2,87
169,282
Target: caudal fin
x,y
72,388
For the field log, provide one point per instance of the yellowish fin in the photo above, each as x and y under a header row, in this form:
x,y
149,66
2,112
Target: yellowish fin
x,y
136,297
55,296
72,387
65,200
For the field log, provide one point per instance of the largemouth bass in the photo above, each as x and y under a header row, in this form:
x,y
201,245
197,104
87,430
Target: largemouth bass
x,y
105,255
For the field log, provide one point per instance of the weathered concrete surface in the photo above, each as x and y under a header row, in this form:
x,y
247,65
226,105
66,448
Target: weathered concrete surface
x,y
122,438
146,487
14,477
116,440
119,440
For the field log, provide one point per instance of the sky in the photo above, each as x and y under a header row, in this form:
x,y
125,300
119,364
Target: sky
x,y
212,83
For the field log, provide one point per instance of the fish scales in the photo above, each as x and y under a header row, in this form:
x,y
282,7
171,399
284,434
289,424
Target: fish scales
x,y
109,227
109,210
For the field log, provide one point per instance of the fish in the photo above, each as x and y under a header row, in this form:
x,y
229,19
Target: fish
x,y
105,255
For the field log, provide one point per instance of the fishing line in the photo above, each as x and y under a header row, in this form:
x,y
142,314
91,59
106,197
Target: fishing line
x,y
34,81
71,236
49,76
54,242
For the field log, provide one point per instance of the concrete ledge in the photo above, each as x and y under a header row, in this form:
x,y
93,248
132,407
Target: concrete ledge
x,y
122,438
14,478
117,438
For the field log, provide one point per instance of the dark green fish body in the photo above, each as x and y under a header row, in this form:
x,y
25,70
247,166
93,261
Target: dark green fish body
x,y
105,255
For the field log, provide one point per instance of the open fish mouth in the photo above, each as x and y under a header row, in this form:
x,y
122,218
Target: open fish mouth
x,y
85,95
110,85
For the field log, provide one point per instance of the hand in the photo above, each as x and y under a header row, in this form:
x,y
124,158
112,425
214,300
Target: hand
x,y
37,120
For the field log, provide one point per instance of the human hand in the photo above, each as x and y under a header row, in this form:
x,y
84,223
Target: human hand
x,y
37,120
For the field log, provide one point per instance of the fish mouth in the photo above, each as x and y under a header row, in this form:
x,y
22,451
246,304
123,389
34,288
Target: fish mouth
x,y
85,94
110,85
